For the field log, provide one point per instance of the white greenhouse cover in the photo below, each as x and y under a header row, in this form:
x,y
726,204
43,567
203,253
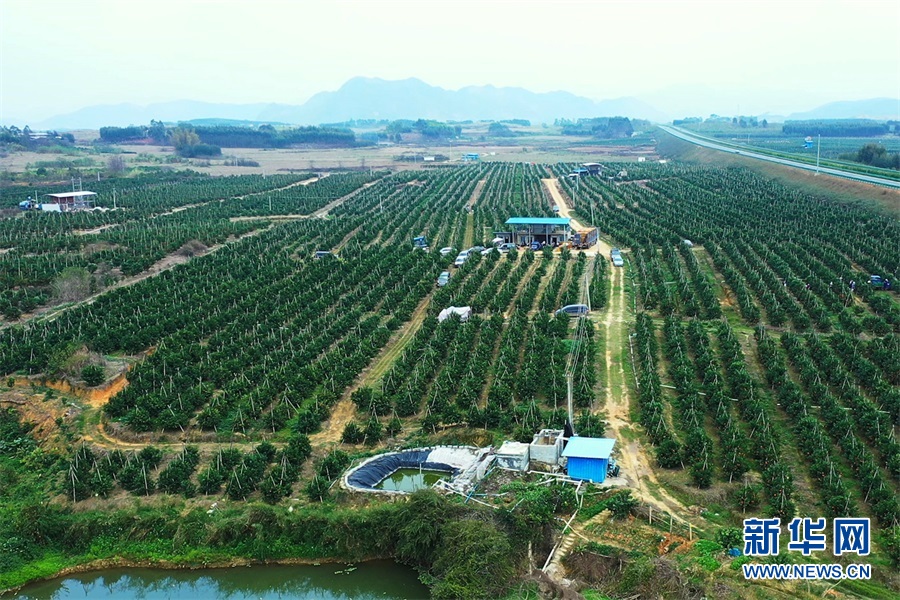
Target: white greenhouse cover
x,y
464,313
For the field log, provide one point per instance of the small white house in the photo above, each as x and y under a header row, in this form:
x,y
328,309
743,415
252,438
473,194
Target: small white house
x,y
69,202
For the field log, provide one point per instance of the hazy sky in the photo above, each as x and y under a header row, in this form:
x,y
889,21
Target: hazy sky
x,y
58,56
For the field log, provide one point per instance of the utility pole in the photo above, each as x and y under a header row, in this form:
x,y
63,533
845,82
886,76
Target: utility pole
x,y
818,152
593,223
577,185
569,400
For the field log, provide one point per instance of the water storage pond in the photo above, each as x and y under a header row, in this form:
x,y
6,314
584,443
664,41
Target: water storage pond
x,y
410,479
365,581
410,470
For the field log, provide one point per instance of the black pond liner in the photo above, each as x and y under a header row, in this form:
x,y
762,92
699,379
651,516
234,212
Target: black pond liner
x,y
370,474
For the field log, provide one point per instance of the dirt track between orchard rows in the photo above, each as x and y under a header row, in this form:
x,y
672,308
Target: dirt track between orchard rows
x,y
634,458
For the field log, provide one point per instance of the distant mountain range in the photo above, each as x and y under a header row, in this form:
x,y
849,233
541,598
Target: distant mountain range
x,y
370,98
874,108
373,98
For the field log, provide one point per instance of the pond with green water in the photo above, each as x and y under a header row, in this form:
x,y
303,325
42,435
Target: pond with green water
x,y
410,479
331,581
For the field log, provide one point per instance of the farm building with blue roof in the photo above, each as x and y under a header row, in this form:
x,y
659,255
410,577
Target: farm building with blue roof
x,y
522,231
588,458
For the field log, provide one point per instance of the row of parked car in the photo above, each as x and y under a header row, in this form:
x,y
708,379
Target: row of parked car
x,y
572,310
462,256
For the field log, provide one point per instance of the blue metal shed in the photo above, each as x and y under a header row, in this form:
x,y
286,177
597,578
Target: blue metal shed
x,y
588,458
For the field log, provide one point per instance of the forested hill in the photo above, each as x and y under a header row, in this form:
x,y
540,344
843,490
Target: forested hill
x,y
267,136
837,127
233,136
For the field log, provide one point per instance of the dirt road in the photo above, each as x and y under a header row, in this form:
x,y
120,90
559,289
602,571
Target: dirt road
x,y
634,459
469,235
174,259
602,247
345,410
161,266
323,212
476,193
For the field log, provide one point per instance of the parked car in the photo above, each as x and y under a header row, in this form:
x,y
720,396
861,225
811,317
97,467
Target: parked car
x,y
487,251
536,246
878,282
616,256
461,258
443,279
476,249
574,310
447,250
504,248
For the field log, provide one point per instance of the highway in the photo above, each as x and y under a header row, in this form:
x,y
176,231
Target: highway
x,y
700,141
